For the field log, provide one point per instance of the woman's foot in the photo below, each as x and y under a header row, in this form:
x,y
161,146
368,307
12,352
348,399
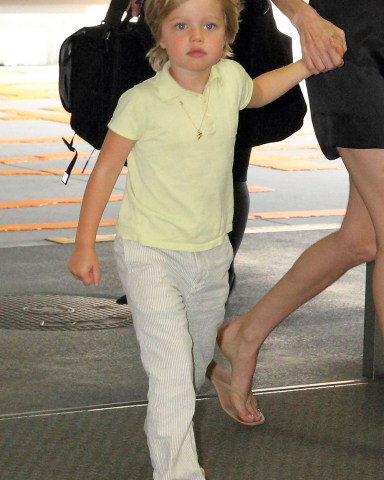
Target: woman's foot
x,y
221,380
243,356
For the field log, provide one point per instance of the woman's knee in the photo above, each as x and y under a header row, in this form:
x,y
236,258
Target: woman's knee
x,y
359,245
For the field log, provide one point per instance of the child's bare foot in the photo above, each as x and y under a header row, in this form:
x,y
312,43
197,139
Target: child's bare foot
x,y
242,355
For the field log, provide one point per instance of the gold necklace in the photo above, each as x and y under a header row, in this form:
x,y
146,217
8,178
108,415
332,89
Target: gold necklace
x,y
199,133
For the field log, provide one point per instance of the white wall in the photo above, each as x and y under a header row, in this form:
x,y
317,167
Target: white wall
x,y
31,31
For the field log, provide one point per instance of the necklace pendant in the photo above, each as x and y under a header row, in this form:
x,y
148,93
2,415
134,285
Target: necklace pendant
x,y
199,135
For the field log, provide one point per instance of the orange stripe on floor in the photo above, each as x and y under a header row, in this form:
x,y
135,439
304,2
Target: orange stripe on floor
x,y
42,158
11,141
54,109
32,89
48,226
50,201
254,189
109,237
15,114
288,146
45,202
297,214
290,163
48,172
112,223
42,172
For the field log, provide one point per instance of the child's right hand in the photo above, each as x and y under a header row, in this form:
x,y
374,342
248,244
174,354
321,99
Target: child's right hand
x,y
84,265
337,44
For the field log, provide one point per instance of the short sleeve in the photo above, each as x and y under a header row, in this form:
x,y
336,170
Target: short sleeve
x,y
238,83
128,119
247,89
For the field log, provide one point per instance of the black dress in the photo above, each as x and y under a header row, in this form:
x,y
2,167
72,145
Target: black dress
x,y
347,104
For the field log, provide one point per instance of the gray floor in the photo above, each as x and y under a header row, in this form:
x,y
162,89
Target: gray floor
x,y
72,402
309,435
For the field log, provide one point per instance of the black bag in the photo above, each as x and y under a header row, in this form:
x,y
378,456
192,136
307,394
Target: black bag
x,y
261,47
96,65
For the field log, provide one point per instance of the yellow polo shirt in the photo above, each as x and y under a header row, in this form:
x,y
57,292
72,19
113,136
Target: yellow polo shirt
x,y
179,192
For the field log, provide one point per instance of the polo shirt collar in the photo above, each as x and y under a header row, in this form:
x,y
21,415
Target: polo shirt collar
x,y
169,88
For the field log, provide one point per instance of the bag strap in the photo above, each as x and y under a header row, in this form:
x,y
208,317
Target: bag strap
x,y
116,11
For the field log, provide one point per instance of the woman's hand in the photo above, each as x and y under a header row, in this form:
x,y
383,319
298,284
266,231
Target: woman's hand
x,y
134,6
323,44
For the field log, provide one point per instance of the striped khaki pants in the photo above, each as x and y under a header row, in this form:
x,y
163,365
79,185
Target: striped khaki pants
x,y
177,300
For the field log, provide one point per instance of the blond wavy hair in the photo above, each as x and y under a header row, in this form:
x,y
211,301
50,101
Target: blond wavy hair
x,y
157,10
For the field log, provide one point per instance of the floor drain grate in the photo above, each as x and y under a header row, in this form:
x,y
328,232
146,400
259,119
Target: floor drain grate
x,y
61,312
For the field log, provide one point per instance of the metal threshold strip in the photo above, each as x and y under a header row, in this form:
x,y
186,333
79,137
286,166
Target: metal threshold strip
x,y
143,403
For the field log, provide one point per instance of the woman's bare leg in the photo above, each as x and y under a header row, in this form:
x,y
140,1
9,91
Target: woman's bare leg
x,y
317,268
366,168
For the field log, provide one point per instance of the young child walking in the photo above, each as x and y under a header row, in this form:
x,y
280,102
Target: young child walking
x,y
178,131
